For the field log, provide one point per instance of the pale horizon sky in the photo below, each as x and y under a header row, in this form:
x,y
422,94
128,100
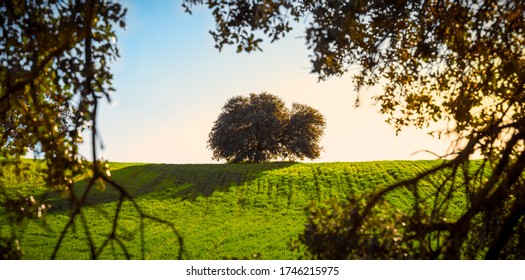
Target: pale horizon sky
x,y
171,84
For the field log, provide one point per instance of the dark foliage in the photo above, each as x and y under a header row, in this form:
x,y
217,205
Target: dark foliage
x,y
260,128
303,131
54,70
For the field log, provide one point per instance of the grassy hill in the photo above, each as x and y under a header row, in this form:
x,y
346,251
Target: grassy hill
x,y
221,211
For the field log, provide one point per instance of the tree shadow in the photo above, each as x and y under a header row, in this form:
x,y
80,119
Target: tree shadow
x,y
183,181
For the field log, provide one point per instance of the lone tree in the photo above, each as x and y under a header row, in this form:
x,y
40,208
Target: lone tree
x,y
457,62
260,128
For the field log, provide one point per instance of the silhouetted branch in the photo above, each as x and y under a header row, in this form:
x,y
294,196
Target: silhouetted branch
x,y
99,174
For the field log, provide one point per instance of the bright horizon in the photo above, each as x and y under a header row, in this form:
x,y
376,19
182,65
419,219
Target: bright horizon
x,y
171,84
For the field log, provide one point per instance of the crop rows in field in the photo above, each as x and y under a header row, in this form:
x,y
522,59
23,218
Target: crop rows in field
x,y
232,211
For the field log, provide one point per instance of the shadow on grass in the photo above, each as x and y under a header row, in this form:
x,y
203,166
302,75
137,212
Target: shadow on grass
x,y
183,181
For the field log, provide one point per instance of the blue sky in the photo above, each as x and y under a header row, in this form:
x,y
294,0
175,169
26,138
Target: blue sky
x,y
171,84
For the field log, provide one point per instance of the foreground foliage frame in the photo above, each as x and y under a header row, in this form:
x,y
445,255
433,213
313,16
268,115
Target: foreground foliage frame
x,y
54,71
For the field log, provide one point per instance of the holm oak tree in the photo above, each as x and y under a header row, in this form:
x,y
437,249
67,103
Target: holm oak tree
x,y
260,128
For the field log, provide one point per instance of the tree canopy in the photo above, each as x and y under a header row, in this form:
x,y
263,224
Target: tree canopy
x,y
259,128
54,62
458,62
303,132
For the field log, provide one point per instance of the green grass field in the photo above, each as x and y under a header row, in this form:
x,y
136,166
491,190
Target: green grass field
x,y
220,210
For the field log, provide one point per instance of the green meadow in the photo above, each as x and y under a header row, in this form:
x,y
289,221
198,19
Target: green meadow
x,y
221,211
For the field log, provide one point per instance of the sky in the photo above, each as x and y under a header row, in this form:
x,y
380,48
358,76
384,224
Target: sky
x,y
171,83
